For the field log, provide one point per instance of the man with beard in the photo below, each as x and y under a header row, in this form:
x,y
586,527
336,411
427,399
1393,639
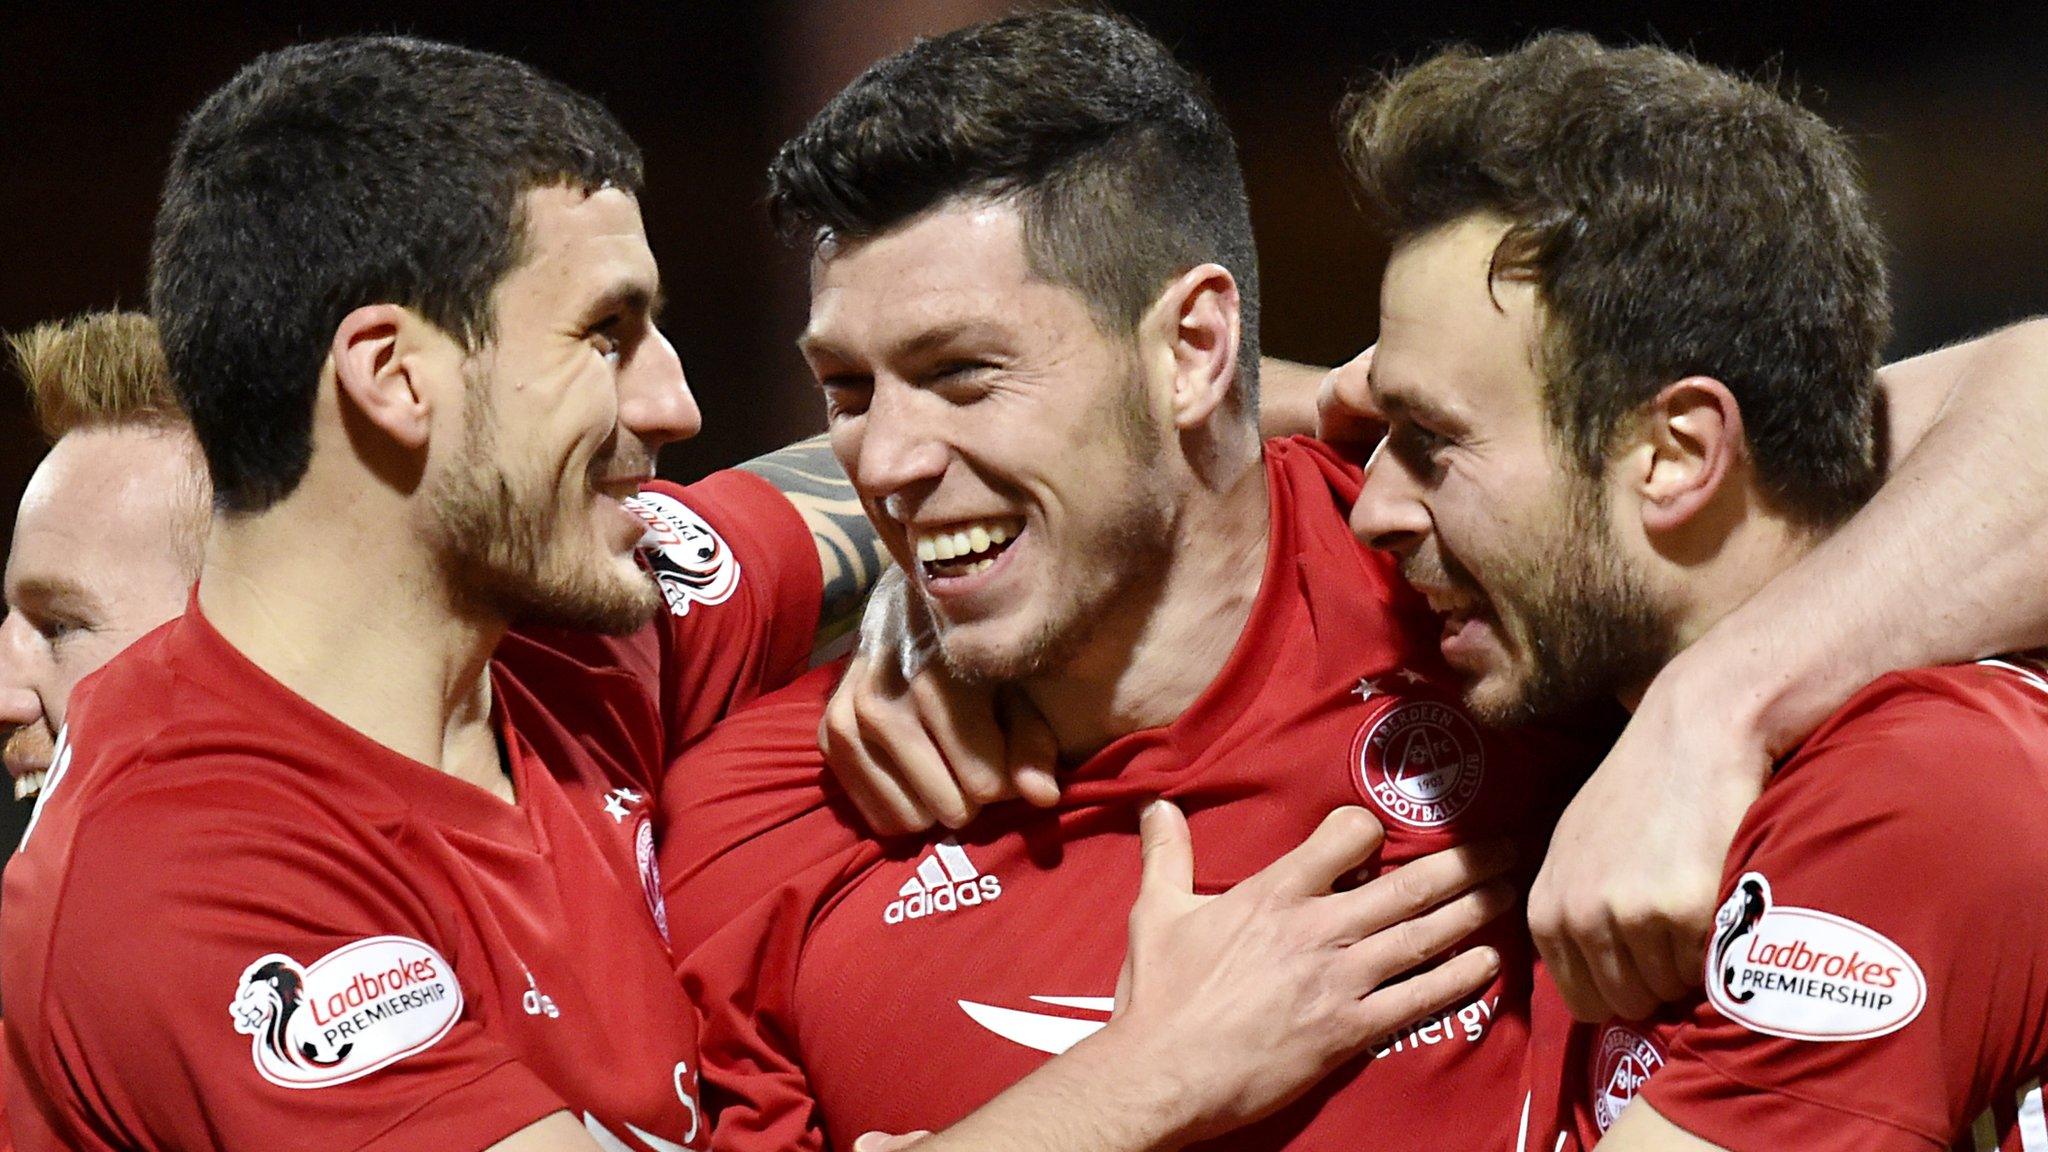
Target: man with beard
x,y
368,836
1584,480
1038,356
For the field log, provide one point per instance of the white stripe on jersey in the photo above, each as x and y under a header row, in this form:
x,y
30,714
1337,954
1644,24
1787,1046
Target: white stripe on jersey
x,y
1522,1137
2025,673
2033,1127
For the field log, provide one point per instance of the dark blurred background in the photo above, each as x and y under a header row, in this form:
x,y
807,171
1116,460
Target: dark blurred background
x,y
1948,105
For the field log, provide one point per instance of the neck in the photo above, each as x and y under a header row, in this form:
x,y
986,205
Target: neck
x,y
324,597
1148,662
1706,590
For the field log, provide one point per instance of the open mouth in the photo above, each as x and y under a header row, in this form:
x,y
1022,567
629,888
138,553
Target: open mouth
x,y
965,548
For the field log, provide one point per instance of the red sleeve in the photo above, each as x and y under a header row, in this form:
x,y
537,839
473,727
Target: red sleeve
x,y
241,969
1878,968
739,575
758,843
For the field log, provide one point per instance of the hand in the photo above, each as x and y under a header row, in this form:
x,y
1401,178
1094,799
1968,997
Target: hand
x,y
1623,905
1345,413
1248,998
911,745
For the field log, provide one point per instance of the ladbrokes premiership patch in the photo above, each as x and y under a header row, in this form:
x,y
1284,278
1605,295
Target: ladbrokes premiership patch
x,y
1419,762
1805,974
689,560
353,1011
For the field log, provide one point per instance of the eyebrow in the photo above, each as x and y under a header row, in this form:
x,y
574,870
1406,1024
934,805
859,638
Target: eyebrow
x,y
1399,403
628,296
52,593
815,346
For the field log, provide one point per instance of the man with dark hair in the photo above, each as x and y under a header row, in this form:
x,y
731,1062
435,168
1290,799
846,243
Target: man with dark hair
x,y
1623,398
1036,378
371,834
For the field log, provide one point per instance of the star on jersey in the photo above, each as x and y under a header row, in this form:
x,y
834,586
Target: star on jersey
x,y
1369,687
1366,689
615,803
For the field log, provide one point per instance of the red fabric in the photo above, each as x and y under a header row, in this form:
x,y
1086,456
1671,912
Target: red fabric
x,y
210,819
833,1008
1919,812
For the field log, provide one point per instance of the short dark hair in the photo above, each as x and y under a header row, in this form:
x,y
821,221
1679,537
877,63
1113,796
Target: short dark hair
x,y
1675,220
1124,172
328,176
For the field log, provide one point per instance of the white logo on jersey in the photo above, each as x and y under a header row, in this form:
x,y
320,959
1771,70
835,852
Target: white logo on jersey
x,y
1805,974
1420,762
1043,1031
60,761
688,558
945,881
1622,1063
1468,1022
355,1010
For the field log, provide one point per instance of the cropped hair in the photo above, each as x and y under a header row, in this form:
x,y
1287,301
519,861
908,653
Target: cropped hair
x,y
92,370
329,176
1675,220
1121,168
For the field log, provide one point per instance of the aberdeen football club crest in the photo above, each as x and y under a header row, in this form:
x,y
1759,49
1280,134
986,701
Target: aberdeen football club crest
x,y
1420,763
1622,1062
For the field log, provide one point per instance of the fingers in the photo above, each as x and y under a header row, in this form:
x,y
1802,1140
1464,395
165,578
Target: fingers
x,y
1345,839
1168,852
1401,947
1455,981
1421,884
1345,412
959,720
1033,750
1574,980
879,797
1617,981
1660,968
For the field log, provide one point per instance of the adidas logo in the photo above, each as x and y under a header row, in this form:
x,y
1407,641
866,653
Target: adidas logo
x,y
946,881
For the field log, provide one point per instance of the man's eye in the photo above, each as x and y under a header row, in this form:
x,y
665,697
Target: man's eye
x,y
57,628
606,344
847,397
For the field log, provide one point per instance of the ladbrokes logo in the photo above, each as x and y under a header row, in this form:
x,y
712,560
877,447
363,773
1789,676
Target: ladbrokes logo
x,y
355,1010
1805,974
946,881
689,560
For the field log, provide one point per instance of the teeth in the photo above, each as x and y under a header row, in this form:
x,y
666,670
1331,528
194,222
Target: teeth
x,y
950,545
27,785
980,565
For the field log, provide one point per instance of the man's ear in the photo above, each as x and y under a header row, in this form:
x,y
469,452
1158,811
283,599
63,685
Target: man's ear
x,y
1199,314
374,371
1690,447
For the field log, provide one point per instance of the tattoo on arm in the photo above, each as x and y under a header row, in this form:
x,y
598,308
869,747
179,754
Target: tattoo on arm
x,y
849,553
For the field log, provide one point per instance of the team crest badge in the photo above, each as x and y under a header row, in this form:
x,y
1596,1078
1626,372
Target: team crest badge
x,y
690,561
357,1009
1420,763
1805,974
1622,1062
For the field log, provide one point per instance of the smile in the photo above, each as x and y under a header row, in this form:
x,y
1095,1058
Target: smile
x,y
964,548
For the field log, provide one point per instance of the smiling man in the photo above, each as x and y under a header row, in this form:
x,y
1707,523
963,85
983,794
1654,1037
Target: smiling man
x,y
107,538
1033,318
367,830
1622,399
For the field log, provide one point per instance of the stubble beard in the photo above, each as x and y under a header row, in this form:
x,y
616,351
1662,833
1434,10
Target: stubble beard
x,y
1581,616
1126,554
525,557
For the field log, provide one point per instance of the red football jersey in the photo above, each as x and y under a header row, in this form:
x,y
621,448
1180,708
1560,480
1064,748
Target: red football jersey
x,y
238,923
900,986
1878,973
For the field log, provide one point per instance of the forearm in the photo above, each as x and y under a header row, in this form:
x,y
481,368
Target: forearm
x,y
1944,564
1101,1095
1287,397
850,554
